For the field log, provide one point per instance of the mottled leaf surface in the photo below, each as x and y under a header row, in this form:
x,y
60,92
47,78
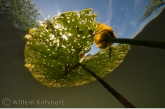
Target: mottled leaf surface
x,y
53,50
101,64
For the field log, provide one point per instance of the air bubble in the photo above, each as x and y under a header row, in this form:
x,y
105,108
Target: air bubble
x,y
74,41
47,40
72,49
57,26
63,46
65,29
83,37
37,43
89,35
69,34
51,37
57,45
68,51
50,44
85,20
64,37
78,14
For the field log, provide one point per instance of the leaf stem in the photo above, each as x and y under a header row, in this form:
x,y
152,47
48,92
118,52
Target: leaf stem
x,y
109,88
75,66
156,44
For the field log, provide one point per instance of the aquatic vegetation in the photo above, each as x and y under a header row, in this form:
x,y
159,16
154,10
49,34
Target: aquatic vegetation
x,y
54,50
22,14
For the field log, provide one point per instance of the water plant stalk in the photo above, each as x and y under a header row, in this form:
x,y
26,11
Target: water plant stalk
x,y
119,97
156,44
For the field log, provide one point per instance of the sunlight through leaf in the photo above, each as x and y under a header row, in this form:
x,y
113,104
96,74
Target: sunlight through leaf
x,y
54,49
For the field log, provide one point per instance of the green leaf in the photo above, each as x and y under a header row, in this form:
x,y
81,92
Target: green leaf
x,y
101,64
58,45
54,49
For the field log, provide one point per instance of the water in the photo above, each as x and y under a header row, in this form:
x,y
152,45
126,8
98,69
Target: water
x,y
139,78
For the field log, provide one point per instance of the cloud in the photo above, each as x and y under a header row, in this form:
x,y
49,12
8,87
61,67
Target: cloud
x,y
122,23
134,19
137,2
109,13
133,22
123,8
120,28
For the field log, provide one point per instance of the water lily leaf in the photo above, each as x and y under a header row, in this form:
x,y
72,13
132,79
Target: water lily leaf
x,y
101,64
54,49
58,45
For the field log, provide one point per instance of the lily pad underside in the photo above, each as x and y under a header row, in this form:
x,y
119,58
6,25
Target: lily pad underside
x,y
53,50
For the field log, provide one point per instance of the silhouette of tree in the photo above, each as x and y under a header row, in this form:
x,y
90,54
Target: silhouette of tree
x,y
20,13
152,6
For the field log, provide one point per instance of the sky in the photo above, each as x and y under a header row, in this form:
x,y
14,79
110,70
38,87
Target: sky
x,y
122,15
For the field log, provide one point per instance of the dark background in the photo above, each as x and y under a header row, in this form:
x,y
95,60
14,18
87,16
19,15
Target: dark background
x,y
140,78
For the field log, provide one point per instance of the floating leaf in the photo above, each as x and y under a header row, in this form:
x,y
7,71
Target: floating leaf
x,y
53,50
101,64
55,47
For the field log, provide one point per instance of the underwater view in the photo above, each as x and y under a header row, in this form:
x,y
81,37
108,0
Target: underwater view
x,y
82,54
